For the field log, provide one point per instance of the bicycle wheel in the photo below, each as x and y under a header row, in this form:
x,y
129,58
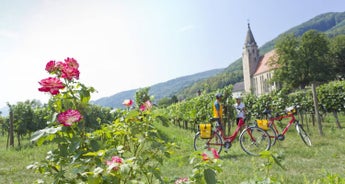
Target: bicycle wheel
x,y
303,134
273,135
254,140
215,142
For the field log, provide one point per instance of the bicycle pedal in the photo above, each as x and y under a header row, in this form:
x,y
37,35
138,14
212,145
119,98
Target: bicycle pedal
x,y
227,145
281,137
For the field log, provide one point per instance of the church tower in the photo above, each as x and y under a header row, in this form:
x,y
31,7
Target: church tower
x,y
250,58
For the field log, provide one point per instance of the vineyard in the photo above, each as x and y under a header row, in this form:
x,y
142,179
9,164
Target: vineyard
x,y
331,97
69,140
168,144
321,163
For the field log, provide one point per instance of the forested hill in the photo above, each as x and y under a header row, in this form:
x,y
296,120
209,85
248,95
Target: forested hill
x,y
160,90
331,24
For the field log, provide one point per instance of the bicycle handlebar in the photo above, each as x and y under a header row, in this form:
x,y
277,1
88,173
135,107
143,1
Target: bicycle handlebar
x,y
287,110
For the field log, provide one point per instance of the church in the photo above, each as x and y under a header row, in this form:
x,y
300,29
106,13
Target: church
x,y
256,69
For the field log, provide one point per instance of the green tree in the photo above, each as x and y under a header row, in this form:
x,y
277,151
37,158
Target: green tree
x,y
166,101
2,125
337,56
302,62
23,114
288,73
314,52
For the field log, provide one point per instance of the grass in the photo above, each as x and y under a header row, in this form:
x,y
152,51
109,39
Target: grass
x,y
302,164
14,161
316,164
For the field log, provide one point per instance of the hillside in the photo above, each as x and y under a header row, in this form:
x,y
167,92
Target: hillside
x,y
160,90
331,24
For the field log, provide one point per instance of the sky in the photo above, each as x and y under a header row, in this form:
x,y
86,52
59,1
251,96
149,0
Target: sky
x,y
122,45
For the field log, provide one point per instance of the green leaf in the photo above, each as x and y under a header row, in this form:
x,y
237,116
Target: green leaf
x,y
39,135
93,179
210,176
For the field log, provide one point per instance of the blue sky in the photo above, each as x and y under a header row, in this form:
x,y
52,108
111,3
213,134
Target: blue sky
x,y
127,44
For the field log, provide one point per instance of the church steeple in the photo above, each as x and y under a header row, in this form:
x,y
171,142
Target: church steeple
x,y
250,58
249,38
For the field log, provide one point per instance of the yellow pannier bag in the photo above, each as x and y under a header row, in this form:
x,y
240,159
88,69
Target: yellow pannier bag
x,y
262,123
205,130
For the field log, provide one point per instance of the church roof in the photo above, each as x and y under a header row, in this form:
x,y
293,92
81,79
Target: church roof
x,y
263,64
249,38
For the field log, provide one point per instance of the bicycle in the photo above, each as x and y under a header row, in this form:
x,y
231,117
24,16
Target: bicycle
x,y
270,127
253,139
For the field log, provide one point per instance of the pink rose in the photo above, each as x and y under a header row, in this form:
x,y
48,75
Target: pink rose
x,y
52,85
215,153
68,69
72,63
69,72
114,162
50,67
127,102
181,180
147,105
69,117
204,157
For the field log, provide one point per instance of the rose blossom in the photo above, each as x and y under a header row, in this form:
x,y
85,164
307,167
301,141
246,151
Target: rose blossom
x,y
52,85
114,162
181,180
69,72
145,106
69,117
50,67
204,156
207,156
72,63
127,102
215,153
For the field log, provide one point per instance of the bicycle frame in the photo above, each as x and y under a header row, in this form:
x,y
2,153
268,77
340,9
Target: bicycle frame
x,y
232,137
292,120
281,135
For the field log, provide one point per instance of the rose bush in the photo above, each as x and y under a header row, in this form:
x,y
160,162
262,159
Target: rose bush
x,y
206,165
128,150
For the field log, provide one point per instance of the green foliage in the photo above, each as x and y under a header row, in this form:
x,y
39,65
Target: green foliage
x,y
166,101
230,76
126,150
205,168
331,178
313,52
302,61
28,117
337,55
199,109
141,96
332,96
236,166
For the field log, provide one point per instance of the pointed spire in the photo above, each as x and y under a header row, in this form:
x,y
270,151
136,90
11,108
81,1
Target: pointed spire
x,y
249,38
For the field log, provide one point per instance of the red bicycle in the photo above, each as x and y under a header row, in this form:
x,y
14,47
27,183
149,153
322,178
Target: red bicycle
x,y
270,126
253,139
